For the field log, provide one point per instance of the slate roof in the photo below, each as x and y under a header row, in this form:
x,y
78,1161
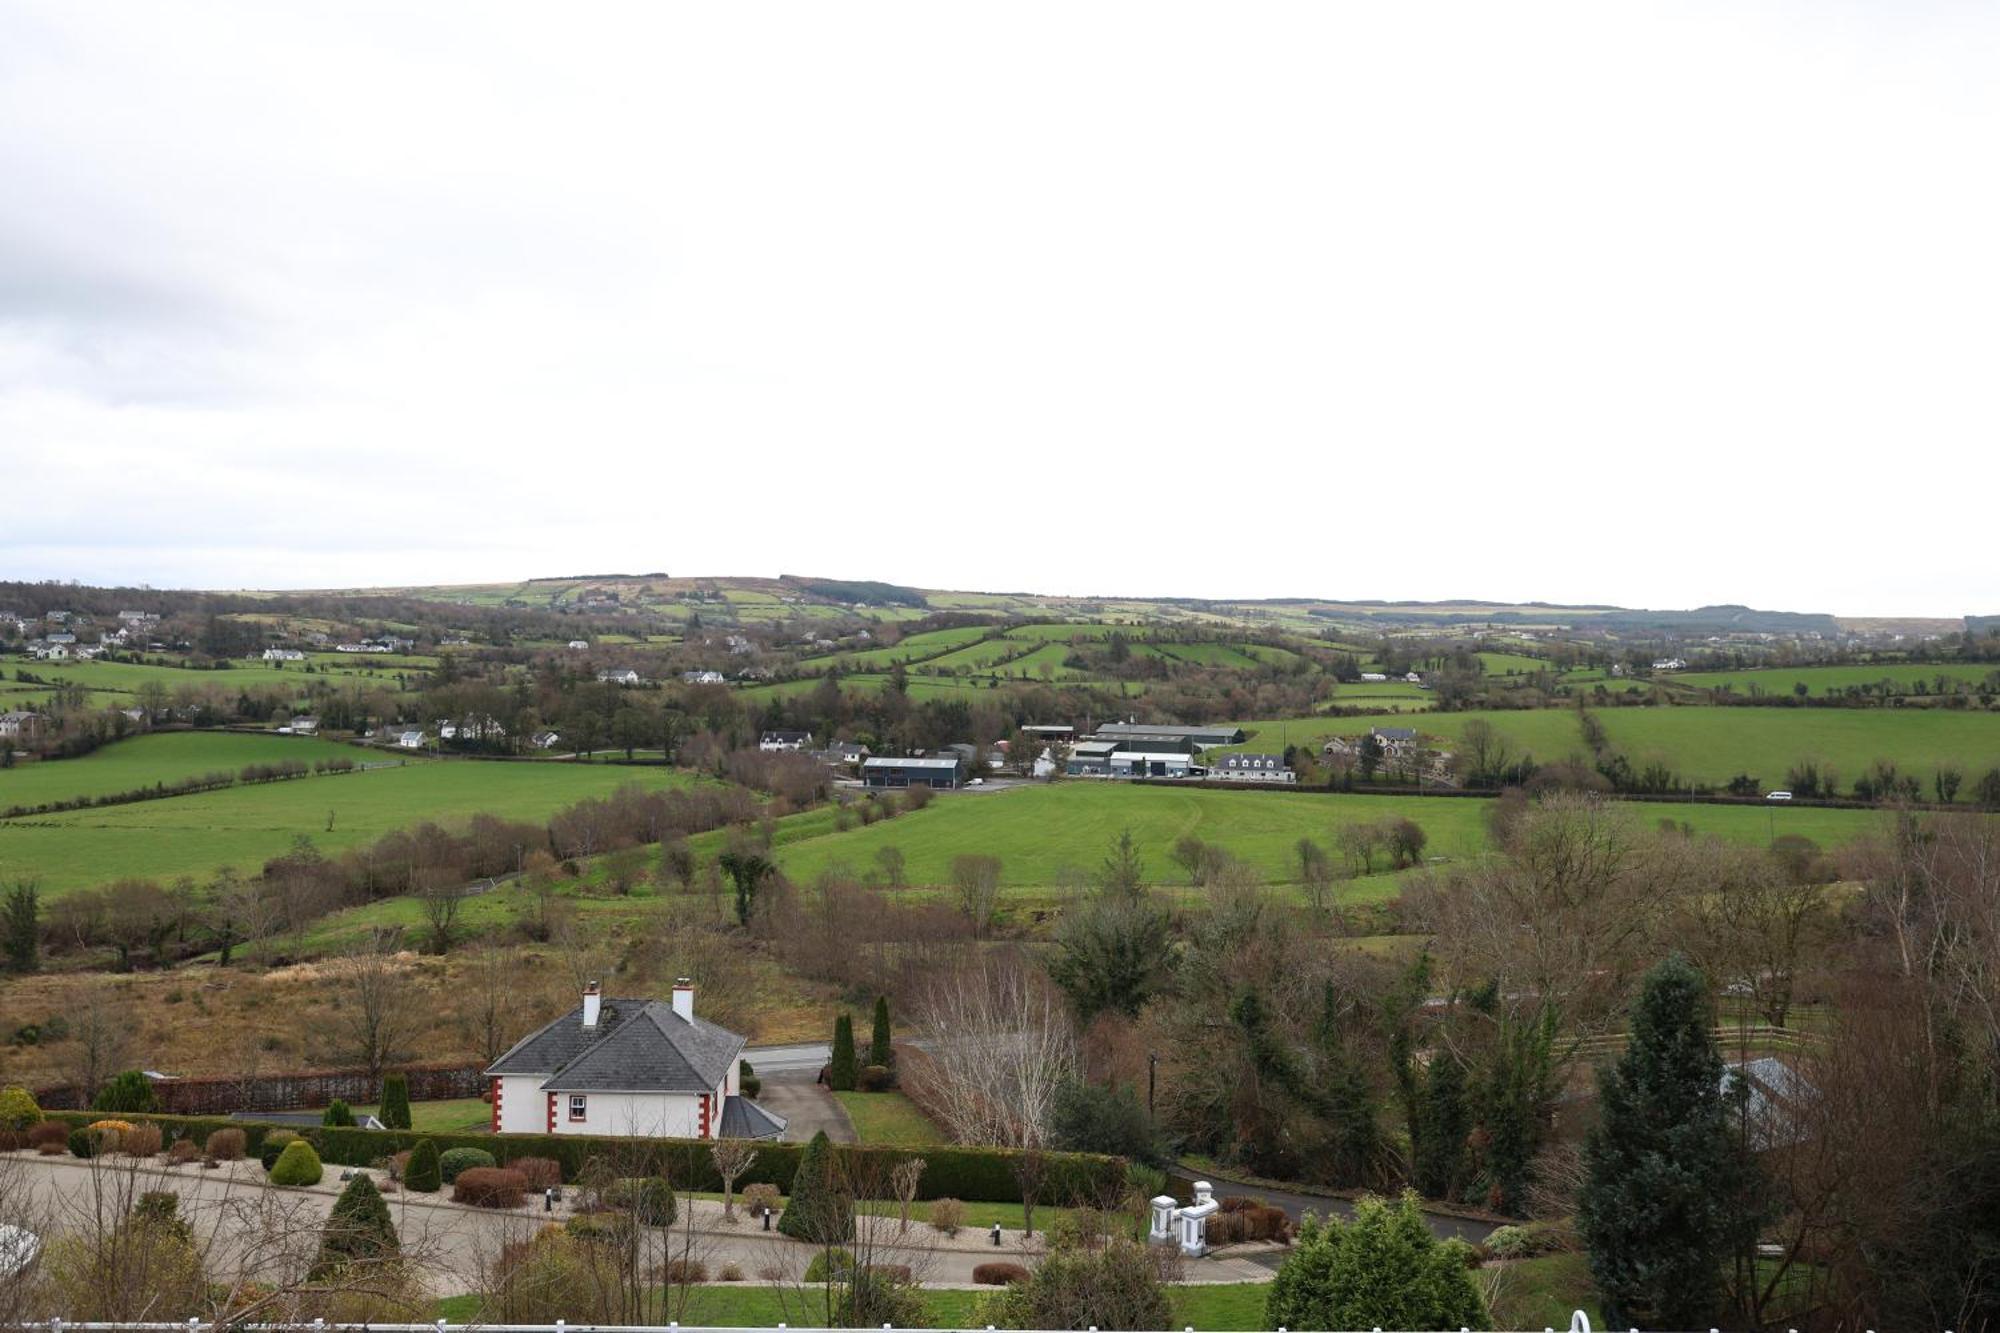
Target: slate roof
x,y
1396,733
744,1119
637,1046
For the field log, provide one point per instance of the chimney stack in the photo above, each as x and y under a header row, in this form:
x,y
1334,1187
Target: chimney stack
x,y
592,1002
684,998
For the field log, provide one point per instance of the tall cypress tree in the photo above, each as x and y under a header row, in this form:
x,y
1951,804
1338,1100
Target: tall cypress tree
x,y
840,1070
881,1047
23,929
1663,1174
395,1112
1444,1120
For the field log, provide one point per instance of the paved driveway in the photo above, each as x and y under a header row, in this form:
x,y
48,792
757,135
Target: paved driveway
x,y
806,1106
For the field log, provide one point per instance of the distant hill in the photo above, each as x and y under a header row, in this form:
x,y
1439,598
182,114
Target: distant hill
x,y
1723,619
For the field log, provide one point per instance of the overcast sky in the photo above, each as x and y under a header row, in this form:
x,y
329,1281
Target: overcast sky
x,y
1649,304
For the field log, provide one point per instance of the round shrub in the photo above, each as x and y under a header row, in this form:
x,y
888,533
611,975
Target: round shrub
x,y
298,1164
876,1078
998,1275
608,1228
680,1272
830,1265
129,1092
183,1152
454,1160
751,1085
225,1145
947,1215
82,1143
540,1172
488,1187
650,1199
761,1198
49,1138
339,1115
18,1109
140,1141
424,1175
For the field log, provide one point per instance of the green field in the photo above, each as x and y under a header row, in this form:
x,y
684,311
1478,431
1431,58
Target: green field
x,y
1511,664
888,1117
1902,677
1047,835
244,826
1710,744
162,758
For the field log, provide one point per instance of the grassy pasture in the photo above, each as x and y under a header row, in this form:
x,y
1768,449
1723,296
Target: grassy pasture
x,y
1713,744
1511,664
243,826
1045,835
161,758
1822,680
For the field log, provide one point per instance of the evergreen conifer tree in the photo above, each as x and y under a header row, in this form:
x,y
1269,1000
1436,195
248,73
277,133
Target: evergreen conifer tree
x,y
881,1046
358,1230
1663,1174
395,1112
423,1174
840,1072
817,1213
23,929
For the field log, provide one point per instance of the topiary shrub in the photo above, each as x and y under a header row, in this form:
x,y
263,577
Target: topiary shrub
x,y
875,1078
82,1143
605,1228
998,1275
298,1164
840,1070
49,1138
18,1109
818,1212
183,1152
339,1115
359,1230
424,1174
225,1145
455,1160
395,1112
488,1187
131,1093
140,1141
650,1199
830,1265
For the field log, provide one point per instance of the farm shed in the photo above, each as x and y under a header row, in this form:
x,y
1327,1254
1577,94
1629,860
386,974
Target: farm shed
x,y
887,772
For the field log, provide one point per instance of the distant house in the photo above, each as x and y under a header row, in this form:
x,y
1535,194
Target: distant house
x,y
632,1068
1664,664
1044,765
1253,768
60,638
22,725
544,740
625,676
785,740
1413,678
844,752
283,655
941,771
305,726
1371,677
409,738
1049,731
579,645
1394,740
701,678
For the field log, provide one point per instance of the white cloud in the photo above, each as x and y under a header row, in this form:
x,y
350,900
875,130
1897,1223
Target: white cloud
x,y
1605,302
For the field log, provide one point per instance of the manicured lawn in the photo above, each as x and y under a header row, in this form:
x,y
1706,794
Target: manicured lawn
x,y
242,827
165,757
1216,1306
888,1117
449,1117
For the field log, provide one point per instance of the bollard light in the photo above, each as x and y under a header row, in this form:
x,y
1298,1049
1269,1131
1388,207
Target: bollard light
x,y
996,1233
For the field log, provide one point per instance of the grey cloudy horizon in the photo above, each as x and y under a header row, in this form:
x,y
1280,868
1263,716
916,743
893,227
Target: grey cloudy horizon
x,y
1642,304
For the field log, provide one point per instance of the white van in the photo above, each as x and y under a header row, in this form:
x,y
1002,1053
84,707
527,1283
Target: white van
x,y
1777,796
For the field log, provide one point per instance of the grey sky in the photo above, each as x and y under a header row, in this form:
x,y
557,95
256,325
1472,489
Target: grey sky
x,y
1650,304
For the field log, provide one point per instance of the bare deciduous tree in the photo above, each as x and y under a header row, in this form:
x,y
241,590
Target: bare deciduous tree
x,y
975,882
1000,1044
378,1011
732,1157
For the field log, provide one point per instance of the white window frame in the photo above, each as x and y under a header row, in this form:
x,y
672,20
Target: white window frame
x,y
579,1106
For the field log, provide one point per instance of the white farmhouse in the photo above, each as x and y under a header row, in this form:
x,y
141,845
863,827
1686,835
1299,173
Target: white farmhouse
x,y
634,1068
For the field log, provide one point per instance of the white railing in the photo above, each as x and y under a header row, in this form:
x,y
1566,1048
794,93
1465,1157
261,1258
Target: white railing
x,y
1579,1322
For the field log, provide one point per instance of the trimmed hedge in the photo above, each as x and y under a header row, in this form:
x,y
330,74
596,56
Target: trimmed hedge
x,y
979,1175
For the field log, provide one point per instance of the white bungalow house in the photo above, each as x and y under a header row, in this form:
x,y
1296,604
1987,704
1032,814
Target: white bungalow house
x,y
621,676
701,678
579,645
409,738
304,726
633,1068
1253,768
283,655
785,740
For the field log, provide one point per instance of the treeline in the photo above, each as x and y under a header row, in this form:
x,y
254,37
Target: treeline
x,y
248,775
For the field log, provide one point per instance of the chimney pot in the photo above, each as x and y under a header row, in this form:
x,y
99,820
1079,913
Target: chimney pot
x,y
593,1004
